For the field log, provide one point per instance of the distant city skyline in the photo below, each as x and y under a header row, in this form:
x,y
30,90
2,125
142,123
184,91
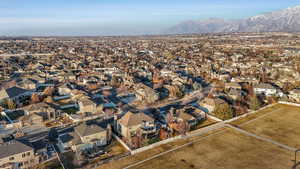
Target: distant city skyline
x,y
119,17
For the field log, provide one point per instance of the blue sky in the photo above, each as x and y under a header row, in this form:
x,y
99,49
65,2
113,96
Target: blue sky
x,y
118,17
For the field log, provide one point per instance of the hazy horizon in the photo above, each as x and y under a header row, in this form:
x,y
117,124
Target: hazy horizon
x,y
119,17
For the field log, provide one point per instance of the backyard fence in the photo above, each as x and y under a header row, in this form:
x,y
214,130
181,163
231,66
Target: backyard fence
x,y
289,103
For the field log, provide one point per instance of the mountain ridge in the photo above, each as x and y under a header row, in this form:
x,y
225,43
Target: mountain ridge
x,y
286,20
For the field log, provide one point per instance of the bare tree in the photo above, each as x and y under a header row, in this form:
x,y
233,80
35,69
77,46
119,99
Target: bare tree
x,y
35,98
11,104
109,132
49,91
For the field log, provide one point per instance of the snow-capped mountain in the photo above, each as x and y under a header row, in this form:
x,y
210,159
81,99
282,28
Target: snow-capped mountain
x,y
287,20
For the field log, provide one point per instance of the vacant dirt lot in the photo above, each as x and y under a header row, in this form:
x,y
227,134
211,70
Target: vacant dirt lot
x,y
228,150
281,124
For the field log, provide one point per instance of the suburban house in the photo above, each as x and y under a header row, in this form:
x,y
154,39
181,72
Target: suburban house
x,y
196,112
69,76
145,93
27,83
42,109
32,119
186,117
235,93
88,106
130,123
189,114
40,148
12,119
65,141
83,138
295,94
64,90
15,154
179,81
267,89
76,94
233,85
211,103
91,134
16,94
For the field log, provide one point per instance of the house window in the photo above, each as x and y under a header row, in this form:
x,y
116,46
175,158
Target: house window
x,y
28,153
23,155
11,158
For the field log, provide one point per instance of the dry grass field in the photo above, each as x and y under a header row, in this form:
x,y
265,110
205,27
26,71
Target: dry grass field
x,y
119,164
281,124
263,112
228,150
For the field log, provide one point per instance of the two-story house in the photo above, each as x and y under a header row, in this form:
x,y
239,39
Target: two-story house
x,y
210,104
84,137
130,123
42,109
16,94
267,89
88,106
15,154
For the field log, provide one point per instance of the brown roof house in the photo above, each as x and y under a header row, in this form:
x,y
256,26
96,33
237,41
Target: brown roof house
x,y
86,105
211,103
145,94
188,118
189,115
32,119
130,123
41,109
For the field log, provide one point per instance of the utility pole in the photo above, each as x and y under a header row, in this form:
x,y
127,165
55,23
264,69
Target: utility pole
x,y
295,165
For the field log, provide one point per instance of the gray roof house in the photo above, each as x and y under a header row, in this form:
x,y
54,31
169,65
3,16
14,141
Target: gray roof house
x,y
84,137
16,94
17,154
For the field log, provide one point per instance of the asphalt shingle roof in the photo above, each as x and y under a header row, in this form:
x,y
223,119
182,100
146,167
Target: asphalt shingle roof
x,y
12,148
86,130
132,119
15,91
